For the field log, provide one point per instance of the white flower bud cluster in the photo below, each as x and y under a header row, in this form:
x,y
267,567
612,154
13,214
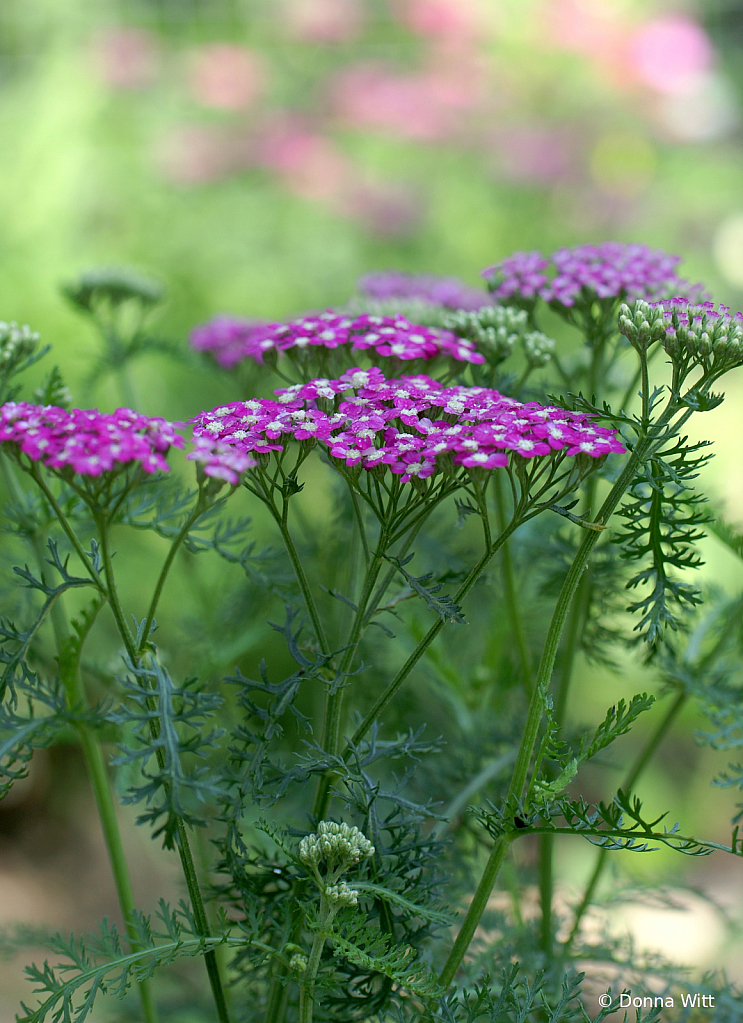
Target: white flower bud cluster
x,y
15,343
701,331
494,329
298,962
337,844
538,348
642,324
341,894
691,334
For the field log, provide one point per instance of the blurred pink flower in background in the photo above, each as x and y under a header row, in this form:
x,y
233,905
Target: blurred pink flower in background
x,y
126,58
445,18
324,21
671,54
533,153
598,30
308,163
226,76
424,106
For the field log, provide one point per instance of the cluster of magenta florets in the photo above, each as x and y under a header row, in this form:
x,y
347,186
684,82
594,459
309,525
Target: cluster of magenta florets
x,y
608,270
386,336
449,292
229,339
88,441
413,426
92,443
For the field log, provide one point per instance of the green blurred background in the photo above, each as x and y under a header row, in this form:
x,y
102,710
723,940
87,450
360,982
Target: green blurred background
x,y
257,156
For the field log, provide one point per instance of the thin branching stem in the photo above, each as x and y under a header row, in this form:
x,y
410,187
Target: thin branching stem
x,y
536,708
182,843
509,588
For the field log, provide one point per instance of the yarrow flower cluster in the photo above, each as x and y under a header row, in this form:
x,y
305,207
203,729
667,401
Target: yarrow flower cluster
x,y
608,270
449,292
413,426
85,440
388,336
230,340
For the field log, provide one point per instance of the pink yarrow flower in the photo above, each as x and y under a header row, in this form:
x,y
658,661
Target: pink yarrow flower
x,y
446,291
611,270
221,461
86,440
229,340
379,336
413,425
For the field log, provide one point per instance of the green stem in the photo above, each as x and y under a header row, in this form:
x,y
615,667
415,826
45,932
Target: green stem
x,y
536,709
56,612
69,531
98,774
491,770
306,1001
629,784
432,633
199,508
509,587
641,763
301,578
334,703
182,843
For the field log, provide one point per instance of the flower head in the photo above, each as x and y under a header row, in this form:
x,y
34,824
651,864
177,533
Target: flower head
x,y
230,340
88,441
412,427
445,291
610,270
696,333
387,337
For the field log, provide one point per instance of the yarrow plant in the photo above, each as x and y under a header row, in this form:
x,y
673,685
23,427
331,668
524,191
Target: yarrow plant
x,y
411,470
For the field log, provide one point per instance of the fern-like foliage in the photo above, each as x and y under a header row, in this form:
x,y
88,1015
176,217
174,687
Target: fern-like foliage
x,y
164,508
168,735
15,643
104,964
616,825
443,606
514,997
662,518
372,951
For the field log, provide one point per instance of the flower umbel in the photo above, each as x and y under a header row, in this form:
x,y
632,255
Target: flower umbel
x,y
445,291
413,426
610,270
229,340
87,441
